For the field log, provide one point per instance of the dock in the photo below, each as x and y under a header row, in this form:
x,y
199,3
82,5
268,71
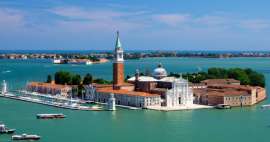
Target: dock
x,y
36,101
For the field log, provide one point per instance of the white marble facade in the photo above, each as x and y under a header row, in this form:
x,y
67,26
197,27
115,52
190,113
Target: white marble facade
x,y
180,94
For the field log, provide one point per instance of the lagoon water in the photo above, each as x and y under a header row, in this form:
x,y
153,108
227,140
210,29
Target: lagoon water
x,y
247,124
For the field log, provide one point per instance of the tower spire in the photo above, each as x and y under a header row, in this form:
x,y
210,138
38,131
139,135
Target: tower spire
x,y
118,64
118,43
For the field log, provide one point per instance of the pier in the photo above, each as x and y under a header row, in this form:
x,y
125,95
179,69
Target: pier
x,y
37,101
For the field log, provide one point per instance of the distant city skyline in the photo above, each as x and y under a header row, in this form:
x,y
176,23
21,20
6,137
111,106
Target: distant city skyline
x,y
144,25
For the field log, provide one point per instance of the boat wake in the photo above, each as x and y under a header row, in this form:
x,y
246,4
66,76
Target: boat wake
x,y
7,71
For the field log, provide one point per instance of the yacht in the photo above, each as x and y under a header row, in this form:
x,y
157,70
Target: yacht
x,y
25,137
5,130
50,116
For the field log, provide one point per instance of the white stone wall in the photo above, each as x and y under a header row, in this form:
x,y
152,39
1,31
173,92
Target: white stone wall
x,y
180,94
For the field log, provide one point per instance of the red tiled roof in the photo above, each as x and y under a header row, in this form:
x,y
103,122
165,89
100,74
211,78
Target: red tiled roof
x,y
227,93
220,81
47,85
125,92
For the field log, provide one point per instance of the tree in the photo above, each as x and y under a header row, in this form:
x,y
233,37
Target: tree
x,y
88,79
217,73
63,77
257,79
239,74
94,58
127,77
49,79
76,80
80,90
245,76
101,81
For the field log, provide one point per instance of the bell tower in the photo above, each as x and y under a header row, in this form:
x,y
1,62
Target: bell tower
x,y
118,64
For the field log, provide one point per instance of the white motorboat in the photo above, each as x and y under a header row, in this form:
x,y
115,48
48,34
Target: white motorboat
x,y
50,116
5,130
25,137
222,106
265,106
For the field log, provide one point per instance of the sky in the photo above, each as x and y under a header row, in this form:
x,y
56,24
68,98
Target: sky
x,y
143,24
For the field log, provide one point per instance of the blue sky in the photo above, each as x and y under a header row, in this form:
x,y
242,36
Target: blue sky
x,y
143,25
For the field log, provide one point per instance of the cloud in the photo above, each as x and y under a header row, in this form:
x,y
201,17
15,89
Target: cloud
x,y
98,19
211,20
172,19
76,13
256,25
11,19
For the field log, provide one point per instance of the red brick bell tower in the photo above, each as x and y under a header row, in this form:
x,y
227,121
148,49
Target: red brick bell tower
x,y
118,65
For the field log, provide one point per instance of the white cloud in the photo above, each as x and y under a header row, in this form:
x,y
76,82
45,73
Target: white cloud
x,y
211,20
77,13
172,19
78,18
10,19
255,25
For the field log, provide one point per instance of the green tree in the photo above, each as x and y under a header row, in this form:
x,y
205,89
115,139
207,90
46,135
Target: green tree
x,y
239,74
80,90
49,79
217,73
94,58
257,79
101,81
127,77
76,80
63,77
88,79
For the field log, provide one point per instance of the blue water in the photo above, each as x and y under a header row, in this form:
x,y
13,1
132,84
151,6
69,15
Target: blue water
x,y
248,124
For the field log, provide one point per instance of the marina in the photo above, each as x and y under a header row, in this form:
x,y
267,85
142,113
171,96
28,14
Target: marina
x,y
73,106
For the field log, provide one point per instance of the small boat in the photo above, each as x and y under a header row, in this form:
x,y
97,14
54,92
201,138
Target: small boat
x,y
5,130
265,106
222,106
50,116
25,137
59,61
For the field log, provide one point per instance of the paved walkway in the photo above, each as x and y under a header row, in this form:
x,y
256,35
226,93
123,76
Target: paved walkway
x,y
181,107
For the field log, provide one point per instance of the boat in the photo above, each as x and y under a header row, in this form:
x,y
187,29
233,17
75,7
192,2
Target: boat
x,y
50,116
4,88
222,106
25,137
265,106
5,130
59,61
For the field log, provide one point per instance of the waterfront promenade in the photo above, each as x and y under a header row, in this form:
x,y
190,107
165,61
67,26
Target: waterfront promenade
x,y
179,108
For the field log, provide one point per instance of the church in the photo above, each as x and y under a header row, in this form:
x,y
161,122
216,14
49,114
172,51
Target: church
x,y
141,91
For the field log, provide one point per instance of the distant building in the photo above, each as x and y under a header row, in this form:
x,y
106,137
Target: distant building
x,y
233,95
49,88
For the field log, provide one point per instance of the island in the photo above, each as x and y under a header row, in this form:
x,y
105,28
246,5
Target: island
x,y
159,90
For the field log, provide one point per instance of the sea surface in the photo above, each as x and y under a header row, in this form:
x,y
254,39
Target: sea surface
x,y
248,124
